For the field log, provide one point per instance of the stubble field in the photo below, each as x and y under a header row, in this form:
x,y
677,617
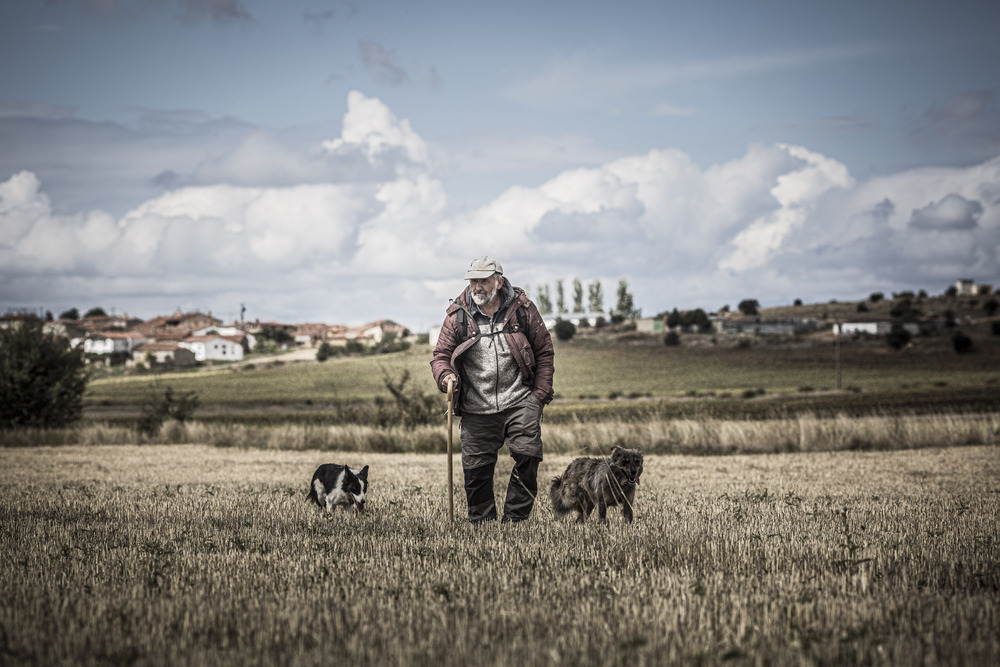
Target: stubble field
x,y
189,554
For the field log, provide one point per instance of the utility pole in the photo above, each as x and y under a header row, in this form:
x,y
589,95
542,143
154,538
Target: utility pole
x,y
837,335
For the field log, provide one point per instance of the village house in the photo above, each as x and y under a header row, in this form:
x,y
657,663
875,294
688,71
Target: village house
x,y
247,340
968,287
179,324
66,329
883,326
99,323
761,327
650,324
213,348
309,335
111,343
165,353
371,333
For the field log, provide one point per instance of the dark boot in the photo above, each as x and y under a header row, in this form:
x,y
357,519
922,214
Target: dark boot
x,y
522,488
479,493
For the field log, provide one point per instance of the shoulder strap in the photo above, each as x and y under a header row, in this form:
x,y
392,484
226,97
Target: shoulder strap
x,y
522,319
461,328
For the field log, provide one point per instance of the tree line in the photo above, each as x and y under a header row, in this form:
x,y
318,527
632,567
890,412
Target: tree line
x,y
624,308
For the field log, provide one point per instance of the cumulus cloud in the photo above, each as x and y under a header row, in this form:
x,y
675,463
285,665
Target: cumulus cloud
x,y
777,223
372,130
953,212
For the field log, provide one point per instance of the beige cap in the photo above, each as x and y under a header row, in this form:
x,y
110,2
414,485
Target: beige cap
x,y
483,267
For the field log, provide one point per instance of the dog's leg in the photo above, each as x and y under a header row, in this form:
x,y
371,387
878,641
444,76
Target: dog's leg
x,y
583,504
602,508
627,504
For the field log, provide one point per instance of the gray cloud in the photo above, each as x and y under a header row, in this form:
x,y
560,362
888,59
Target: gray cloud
x,y
952,212
20,109
382,64
86,165
320,19
967,123
192,12
217,11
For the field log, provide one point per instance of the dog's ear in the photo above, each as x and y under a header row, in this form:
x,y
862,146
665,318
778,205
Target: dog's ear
x,y
364,473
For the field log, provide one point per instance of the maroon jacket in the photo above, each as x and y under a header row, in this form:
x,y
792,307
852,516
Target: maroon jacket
x,y
532,349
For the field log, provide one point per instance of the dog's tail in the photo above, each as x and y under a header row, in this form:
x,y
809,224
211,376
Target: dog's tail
x,y
312,495
555,493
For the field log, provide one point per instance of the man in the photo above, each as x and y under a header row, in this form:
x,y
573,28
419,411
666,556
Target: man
x,y
496,348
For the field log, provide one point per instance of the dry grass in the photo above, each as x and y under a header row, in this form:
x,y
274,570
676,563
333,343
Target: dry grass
x,y
204,555
806,433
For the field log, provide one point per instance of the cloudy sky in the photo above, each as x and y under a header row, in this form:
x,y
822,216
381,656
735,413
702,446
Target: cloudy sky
x,y
340,162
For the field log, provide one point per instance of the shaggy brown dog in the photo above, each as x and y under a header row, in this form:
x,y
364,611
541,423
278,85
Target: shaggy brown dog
x,y
589,483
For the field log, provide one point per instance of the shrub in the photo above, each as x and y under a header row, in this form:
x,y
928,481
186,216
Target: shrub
x,y
898,337
565,329
961,342
410,408
42,379
324,352
749,306
162,406
390,342
672,339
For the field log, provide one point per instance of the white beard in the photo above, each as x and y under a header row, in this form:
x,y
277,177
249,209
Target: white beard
x,y
483,299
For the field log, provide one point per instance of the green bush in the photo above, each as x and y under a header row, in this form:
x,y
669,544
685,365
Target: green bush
x,y
324,352
565,330
42,379
961,342
163,406
898,337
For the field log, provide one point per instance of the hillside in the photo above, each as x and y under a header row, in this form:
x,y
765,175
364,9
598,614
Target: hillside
x,y
962,308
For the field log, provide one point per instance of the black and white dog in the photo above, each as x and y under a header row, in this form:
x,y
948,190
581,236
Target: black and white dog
x,y
334,485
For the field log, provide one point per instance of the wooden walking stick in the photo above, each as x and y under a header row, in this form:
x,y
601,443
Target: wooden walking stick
x,y
451,488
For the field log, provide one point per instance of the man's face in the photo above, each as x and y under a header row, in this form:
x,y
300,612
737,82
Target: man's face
x,y
484,289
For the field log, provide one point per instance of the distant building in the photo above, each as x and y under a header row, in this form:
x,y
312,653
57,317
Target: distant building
x,y
650,324
168,354
371,333
247,340
759,327
872,327
67,329
213,348
111,343
180,323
